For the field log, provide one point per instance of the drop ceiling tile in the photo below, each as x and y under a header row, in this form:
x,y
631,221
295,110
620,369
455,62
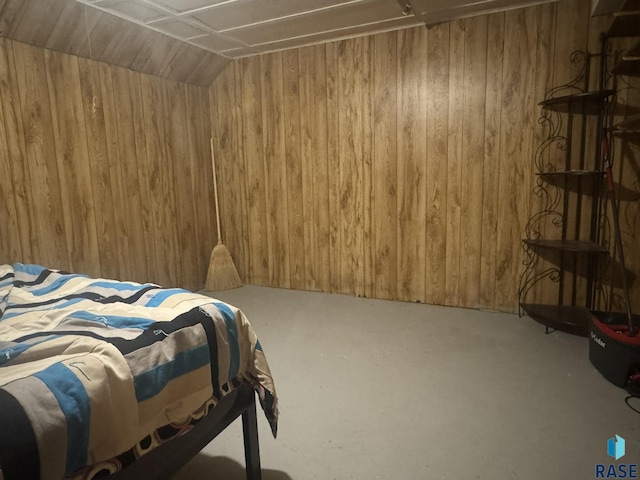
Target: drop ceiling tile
x,y
178,28
389,25
452,9
241,52
429,6
133,10
181,6
247,12
238,28
343,17
217,43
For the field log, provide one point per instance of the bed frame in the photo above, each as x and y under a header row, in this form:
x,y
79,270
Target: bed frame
x,y
165,460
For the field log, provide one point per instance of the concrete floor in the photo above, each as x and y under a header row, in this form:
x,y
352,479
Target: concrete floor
x,y
372,389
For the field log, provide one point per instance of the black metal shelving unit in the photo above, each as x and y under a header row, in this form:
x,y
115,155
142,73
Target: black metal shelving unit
x,y
572,194
578,118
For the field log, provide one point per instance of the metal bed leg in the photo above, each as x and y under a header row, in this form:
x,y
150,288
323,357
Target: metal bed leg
x,y
251,447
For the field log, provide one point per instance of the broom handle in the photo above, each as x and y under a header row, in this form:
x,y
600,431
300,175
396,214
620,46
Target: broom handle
x,y
215,191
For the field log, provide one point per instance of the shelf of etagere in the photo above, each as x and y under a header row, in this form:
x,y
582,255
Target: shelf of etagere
x,y
585,102
573,246
625,24
570,319
627,66
571,173
586,181
631,124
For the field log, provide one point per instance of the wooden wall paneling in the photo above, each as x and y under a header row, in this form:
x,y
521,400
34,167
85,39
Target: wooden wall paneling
x,y
13,14
385,184
241,170
94,183
199,130
205,72
150,176
159,177
256,171
173,159
119,193
626,170
516,143
230,187
411,164
67,26
15,214
129,125
196,66
187,258
451,135
72,29
350,121
568,38
321,174
490,168
631,208
36,22
103,38
10,238
176,56
294,167
120,49
224,146
234,171
144,172
454,160
368,102
545,52
74,169
221,130
48,239
168,168
333,152
275,168
437,103
99,167
151,56
473,133
307,157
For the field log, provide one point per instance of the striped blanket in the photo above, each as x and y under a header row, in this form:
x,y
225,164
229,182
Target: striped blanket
x,y
89,367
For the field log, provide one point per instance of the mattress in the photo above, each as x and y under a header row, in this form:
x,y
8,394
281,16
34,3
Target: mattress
x,y
91,367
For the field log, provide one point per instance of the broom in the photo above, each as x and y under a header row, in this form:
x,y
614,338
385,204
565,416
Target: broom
x,y
222,272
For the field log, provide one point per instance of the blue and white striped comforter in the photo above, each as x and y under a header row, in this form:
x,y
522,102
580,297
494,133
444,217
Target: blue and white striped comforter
x,y
88,367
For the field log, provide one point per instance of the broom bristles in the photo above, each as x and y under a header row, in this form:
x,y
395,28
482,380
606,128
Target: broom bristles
x,y
222,273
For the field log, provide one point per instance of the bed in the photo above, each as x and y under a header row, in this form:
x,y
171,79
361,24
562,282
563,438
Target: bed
x,y
105,378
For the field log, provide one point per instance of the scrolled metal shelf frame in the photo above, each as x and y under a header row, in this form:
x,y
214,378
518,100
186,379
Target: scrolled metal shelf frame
x,y
550,194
